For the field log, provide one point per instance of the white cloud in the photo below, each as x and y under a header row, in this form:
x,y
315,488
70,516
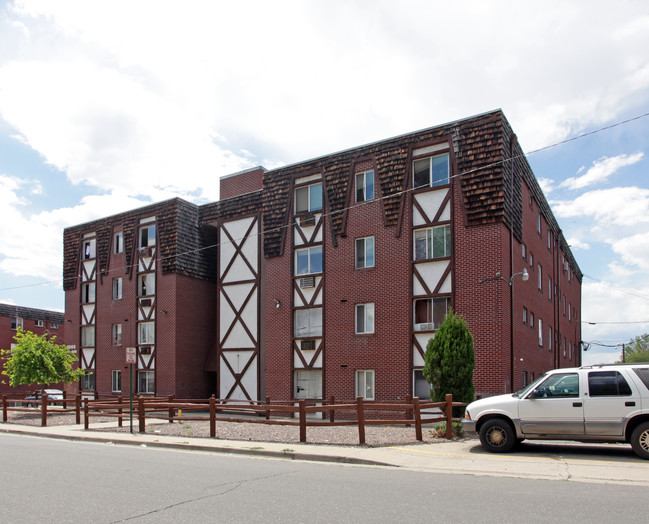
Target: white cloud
x,y
576,243
601,170
547,185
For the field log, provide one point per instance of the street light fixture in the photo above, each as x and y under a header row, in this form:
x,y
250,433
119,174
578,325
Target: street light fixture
x,y
525,276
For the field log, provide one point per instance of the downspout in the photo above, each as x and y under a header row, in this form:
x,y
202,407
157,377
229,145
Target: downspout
x,y
512,142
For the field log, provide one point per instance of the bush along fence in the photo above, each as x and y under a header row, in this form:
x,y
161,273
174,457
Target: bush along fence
x,y
302,413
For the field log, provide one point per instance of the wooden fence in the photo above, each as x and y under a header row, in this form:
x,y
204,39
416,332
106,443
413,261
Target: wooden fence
x,y
360,413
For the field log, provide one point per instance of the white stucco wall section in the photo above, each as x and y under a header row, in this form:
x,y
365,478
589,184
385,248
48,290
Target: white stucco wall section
x,y
431,272
430,202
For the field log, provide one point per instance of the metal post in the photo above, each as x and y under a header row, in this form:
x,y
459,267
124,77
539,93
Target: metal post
x,y
130,393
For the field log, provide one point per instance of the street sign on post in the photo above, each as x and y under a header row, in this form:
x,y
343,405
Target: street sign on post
x,y
130,356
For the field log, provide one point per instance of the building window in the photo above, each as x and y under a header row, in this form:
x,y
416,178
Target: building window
x,y
564,347
524,315
569,312
116,381
147,236
549,288
145,382
16,322
89,248
308,260
569,350
308,322
433,242
146,333
365,384
531,320
88,293
117,288
538,222
364,186
88,336
87,382
540,332
540,279
308,199
118,243
421,386
146,284
524,378
38,323
549,239
54,325
307,383
364,318
550,338
524,251
431,172
364,252
531,259
117,334
430,313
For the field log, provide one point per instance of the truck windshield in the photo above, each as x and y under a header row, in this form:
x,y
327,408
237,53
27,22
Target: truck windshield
x,y
529,387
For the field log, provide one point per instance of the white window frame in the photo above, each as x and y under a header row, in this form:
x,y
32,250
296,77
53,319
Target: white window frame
x,y
431,323
364,319
524,315
118,242
311,206
307,322
540,278
540,323
38,323
431,161
361,179
88,293
89,249
311,254
117,288
550,337
17,322
549,288
146,377
365,386
87,380
116,334
54,324
145,284
146,333
88,336
116,380
364,252
147,236
427,236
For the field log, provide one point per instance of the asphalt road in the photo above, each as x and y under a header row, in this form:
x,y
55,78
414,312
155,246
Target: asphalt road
x,y
47,480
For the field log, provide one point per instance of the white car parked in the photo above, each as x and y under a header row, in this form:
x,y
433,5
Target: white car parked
x,y
603,403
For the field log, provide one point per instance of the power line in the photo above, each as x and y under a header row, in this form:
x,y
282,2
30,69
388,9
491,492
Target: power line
x,y
373,201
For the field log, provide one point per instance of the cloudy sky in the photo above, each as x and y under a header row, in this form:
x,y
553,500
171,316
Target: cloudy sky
x,y
109,105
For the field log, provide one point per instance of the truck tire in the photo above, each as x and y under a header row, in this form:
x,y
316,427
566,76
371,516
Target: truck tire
x,y
497,435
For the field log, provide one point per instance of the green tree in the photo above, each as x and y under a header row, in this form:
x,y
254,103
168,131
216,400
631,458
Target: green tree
x,y
449,362
39,360
637,350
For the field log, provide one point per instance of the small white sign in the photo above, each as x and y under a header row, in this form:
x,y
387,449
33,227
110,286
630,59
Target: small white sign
x,y
131,356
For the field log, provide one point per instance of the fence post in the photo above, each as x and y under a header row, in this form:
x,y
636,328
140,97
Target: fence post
x,y
65,400
409,400
44,410
86,416
302,405
267,408
449,416
171,409
360,416
4,408
141,415
332,412
417,410
77,408
119,411
212,416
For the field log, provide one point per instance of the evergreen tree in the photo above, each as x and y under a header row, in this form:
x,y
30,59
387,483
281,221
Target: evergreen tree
x,y
449,362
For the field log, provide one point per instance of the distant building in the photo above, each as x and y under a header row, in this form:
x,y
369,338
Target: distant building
x,y
39,321
328,277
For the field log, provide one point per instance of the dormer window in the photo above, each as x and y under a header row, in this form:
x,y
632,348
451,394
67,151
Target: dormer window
x,y
431,172
308,199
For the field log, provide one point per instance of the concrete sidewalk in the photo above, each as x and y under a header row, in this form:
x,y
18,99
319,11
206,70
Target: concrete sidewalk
x,y
570,461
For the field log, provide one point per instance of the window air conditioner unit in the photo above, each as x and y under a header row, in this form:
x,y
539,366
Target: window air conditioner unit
x,y
146,350
307,220
308,345
426,326
306,282
146,302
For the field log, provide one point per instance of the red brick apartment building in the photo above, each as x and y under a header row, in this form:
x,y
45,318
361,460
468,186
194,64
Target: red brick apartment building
x,y
328,277
39,321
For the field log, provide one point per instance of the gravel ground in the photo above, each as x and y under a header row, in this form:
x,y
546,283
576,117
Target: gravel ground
x,y
387,435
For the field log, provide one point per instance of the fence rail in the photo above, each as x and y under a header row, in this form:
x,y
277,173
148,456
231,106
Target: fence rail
x,y
360,413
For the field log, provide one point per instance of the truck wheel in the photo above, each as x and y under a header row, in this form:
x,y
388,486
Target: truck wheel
x,y
497,436
640,440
